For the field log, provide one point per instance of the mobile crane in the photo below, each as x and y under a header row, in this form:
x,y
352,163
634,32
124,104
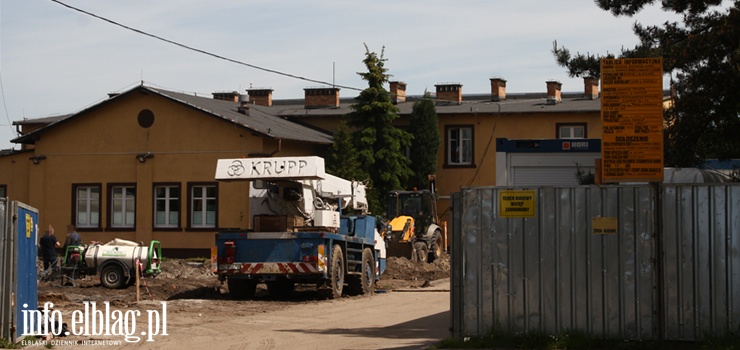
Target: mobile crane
x,y
299,233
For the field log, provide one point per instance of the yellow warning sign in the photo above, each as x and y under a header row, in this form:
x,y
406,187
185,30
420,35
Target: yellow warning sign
x,y
516,204
604,226
632,119
29,225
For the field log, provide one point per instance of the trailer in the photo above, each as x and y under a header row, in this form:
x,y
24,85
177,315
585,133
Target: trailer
x,y
114,261
302,232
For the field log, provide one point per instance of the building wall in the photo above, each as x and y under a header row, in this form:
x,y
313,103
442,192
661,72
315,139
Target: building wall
x,y
100,146
488,127
14,175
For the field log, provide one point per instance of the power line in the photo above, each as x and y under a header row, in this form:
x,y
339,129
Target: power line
x,y
5,105
203,51
332,84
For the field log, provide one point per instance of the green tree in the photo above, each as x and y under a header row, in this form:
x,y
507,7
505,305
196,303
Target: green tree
x,y
342,160
702,54
425,143
379,144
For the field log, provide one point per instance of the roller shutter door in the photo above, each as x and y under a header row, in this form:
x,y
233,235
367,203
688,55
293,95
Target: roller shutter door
x,y
546,176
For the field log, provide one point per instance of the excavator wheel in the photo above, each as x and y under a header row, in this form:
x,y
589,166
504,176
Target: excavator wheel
x,y
437,247
421,251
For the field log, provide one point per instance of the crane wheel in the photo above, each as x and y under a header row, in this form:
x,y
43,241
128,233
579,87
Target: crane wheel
x,y
337,272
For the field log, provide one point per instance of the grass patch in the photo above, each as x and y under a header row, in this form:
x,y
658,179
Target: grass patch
x,y
201,260
6,344
579,340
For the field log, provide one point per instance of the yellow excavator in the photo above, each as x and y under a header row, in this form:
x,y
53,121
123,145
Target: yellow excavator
x,y
413,229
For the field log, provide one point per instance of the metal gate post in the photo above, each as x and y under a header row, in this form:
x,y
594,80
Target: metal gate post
x,y
659,301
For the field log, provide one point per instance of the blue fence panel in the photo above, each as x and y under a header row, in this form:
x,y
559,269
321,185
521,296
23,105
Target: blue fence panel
x,y
26,297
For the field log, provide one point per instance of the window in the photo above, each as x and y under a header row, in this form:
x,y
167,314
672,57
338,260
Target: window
x,y
459,145
167,205
122,205
3,191
86,206
571,131
202,205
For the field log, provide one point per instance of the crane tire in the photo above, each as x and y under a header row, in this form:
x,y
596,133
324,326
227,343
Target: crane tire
x,y
337,272
241,288
367,279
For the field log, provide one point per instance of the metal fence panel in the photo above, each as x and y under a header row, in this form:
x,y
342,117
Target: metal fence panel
x,y
672,271
18,275
26,274
701,244
6,264
456,276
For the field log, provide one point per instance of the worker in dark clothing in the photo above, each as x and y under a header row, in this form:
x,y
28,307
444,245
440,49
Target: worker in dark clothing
x,y
73,239
48,244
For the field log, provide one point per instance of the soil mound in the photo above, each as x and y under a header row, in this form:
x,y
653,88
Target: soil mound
x,y
186,279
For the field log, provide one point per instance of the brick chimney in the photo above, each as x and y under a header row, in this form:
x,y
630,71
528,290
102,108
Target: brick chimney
x,y
449,93
232,96
321,98
498,89
398,92
553,92
590,88
261,97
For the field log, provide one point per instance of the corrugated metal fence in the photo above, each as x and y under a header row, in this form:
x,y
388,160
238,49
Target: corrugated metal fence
x,y
550,272
7,256
18,283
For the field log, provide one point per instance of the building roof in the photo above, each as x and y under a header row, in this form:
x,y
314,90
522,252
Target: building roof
x,y
282,120
514,103
256,120
45,120
265,124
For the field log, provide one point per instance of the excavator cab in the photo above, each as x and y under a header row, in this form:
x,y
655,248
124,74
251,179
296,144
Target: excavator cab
x,y
413,231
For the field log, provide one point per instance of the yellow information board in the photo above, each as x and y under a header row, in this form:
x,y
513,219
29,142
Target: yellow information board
x,y
632,120
604,226
516,204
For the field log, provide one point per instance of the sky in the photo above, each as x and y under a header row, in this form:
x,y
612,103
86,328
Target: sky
x,y
55,60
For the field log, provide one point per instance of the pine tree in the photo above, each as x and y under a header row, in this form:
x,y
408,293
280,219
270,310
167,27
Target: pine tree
x,y
425,143
703,54
342,160
379,144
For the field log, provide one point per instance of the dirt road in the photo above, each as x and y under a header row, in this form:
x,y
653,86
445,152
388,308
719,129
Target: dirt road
x,y
411,319
409,313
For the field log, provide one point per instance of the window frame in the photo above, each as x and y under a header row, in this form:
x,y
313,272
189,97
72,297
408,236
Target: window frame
x,y
190,197
447,139
156,185
83,228
558,126
109,223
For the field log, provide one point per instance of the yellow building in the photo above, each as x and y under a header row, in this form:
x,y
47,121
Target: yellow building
x,y
140,165
468,124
